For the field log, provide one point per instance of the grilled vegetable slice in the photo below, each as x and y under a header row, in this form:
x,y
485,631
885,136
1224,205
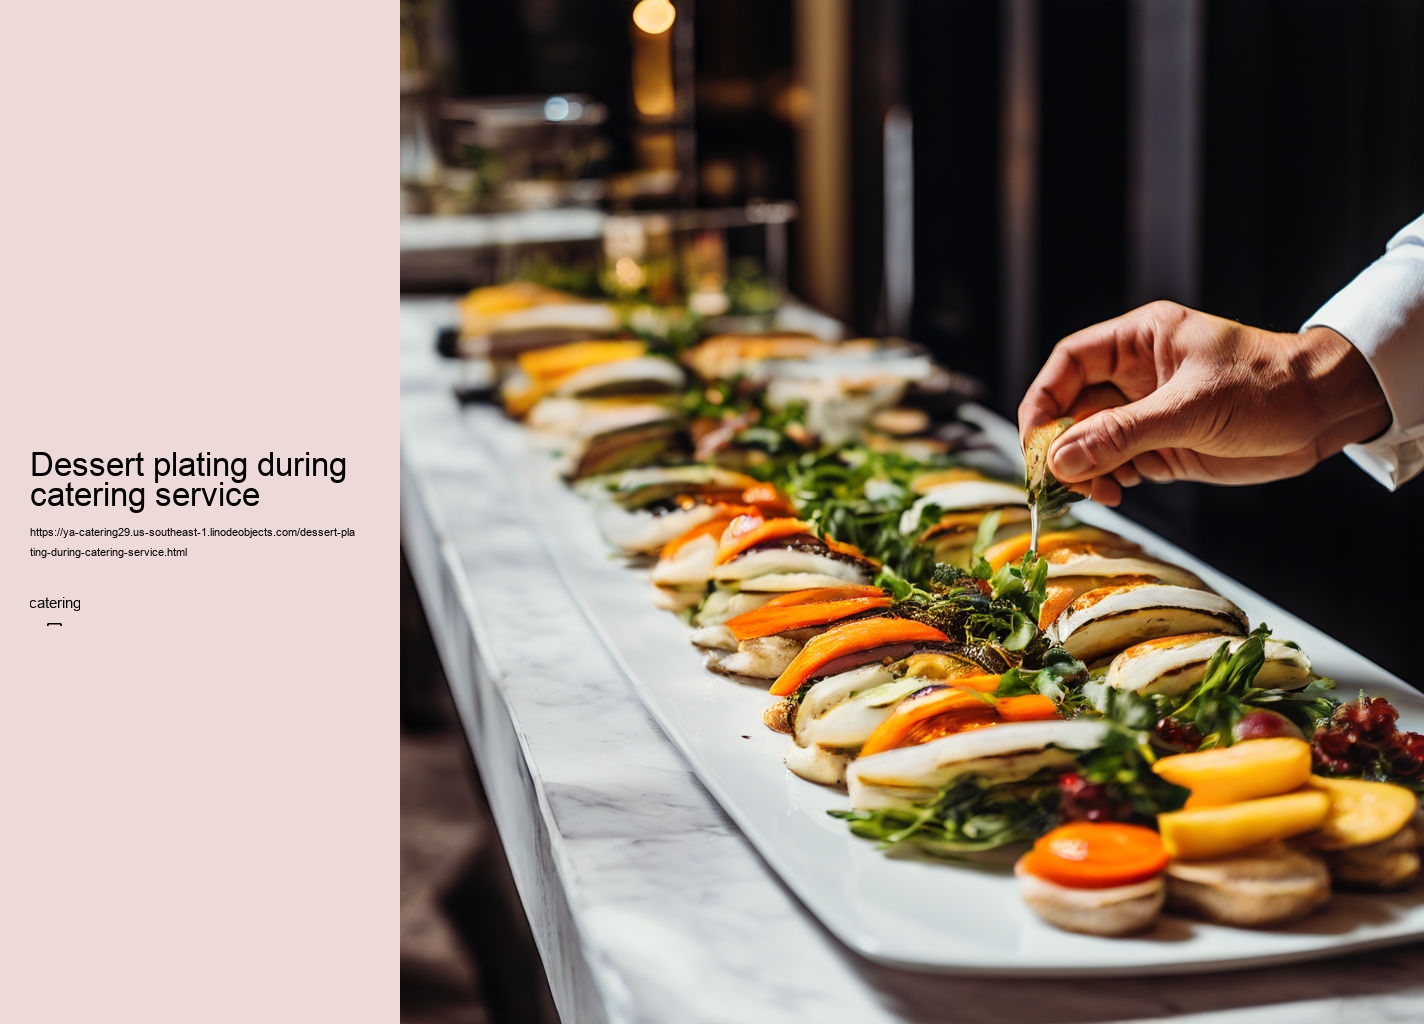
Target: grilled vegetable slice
x,y
963,496
1174,664
1006,753
1108,619
851,638
773,618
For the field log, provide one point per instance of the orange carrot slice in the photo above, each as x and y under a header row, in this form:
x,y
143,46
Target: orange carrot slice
x,y
1096,855
713,527
844,549
767,498
861,635
1030,707
768,621
748,531
946,702
959,705
968,522
1059,596
817,595
1014,548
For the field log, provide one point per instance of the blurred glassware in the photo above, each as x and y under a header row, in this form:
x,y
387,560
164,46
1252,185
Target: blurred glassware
x,y
521,153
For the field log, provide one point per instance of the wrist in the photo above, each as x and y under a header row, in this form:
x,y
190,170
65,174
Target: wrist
x,y
1341,388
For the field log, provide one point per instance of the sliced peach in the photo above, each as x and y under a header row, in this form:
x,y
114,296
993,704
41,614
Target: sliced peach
x,y
1226,775
1204,833
1362,812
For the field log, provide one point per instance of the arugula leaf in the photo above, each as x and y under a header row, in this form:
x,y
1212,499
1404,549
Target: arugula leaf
x,y
1217,703
1223,697
973,814
1123,764
984,536
970,815
1058,678
857,496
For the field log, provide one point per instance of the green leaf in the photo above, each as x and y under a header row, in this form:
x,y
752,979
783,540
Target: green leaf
x,y
984,536
970,815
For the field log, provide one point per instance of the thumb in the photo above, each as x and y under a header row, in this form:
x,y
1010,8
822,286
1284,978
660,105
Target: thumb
x,y
1102,442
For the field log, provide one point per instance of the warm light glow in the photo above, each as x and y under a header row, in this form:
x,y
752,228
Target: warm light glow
x,y
629,274
654,16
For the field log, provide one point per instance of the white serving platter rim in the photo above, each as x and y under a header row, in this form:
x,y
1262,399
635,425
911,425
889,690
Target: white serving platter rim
x,y
908,910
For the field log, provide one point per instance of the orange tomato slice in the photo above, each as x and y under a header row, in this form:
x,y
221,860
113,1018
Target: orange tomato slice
x,y
1096,855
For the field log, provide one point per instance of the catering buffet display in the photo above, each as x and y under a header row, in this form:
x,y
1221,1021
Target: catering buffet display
x,y
1103,716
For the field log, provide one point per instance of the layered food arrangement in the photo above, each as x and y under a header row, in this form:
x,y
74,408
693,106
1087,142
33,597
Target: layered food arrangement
x,y
1047,698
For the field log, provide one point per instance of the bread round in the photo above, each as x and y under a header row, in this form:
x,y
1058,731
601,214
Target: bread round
x,y
1120,910
1385,866
1258,888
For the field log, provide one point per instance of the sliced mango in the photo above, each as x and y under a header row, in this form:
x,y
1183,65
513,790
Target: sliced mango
x,y
1362,812
1246,771
1208,832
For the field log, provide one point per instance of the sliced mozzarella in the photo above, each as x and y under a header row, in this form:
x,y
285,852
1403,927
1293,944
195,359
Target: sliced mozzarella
x,y
644,532
568,423
850,723
1088,899
1173,665
1107,620
785,582
764,561
644,373
594,317
961,496
642,486
722,605
717,637
817,764
762,657
957,548
690,565
826,693
676,599
632,479
1004,753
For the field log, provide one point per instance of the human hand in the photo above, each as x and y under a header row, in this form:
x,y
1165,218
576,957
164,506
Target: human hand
x,y
1167,393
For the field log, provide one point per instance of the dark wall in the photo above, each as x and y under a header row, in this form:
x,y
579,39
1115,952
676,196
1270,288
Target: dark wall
x,y
1314,157
952,68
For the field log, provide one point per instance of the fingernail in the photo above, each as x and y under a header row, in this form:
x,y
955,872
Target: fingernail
x,y
1071,459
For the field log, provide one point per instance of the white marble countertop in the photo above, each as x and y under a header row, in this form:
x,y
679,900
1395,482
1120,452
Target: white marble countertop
x,y
646,902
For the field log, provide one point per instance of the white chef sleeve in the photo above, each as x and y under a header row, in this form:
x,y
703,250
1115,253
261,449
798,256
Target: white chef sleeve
x,y
1381,312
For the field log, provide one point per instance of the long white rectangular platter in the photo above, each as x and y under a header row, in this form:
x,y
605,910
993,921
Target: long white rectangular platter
x,y
905,909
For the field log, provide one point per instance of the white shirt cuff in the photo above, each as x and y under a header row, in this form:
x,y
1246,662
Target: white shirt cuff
x,y
1381,313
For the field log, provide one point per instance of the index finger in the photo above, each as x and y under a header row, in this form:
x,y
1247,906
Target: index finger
x,y
1084,358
